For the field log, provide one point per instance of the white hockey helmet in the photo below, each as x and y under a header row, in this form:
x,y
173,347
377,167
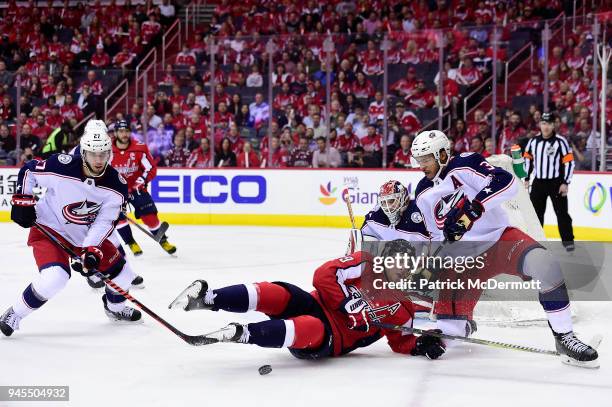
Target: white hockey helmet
x,y
96,140
430,142
95,137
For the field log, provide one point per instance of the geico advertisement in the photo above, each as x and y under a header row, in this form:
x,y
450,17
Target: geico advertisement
x,y
287,192
317,192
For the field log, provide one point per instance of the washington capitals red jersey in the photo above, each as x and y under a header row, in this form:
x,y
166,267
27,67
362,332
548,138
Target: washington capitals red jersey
x,y
338,281
134,162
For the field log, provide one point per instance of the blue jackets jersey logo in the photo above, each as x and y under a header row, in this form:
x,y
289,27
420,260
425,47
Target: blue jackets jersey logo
x,y
81,213
445,204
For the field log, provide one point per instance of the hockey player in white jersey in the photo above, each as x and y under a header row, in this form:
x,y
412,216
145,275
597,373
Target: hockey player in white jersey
x,y
83,199
93,281
460,199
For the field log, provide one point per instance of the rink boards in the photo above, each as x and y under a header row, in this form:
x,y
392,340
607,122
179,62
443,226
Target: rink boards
x,y
312,197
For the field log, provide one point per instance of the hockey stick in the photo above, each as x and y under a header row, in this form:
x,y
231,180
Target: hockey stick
x,y
195,340
345,196
163,227
484,342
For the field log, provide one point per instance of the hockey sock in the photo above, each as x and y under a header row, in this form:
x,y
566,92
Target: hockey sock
x,y
152,221
50,281
234,298
542,267
29,301
272,299
114,301
556,304
300,333
125,231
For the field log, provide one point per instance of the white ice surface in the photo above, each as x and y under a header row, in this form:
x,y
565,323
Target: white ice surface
x,y
71,342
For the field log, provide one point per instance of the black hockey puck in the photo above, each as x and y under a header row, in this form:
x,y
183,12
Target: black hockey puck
x,y
265,369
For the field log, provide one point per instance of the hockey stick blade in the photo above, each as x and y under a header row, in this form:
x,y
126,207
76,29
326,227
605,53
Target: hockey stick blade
x,y
163,228
196,340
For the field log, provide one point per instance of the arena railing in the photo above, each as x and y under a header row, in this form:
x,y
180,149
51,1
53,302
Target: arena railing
x,y
124,85
144,67
170,37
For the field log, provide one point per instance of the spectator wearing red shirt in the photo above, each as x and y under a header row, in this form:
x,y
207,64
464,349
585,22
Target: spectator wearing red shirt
x,y
407,86
401,158
422,98
407,120
42,129
55,119
124,58
284,98
346,140
468,74
362,87
186,57
280,156
201,157
372,64
532,87
234,137
70,110
94,84
198,124
247,158
511,134
222,116
236,76
372,142
576,60
149,29
100,58
49,88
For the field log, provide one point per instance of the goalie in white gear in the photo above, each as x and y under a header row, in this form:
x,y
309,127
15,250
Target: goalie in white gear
x,y
460,198
83,199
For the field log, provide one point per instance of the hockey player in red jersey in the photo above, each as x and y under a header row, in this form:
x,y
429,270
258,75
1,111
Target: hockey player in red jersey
x,y
134,161
84,196
332,320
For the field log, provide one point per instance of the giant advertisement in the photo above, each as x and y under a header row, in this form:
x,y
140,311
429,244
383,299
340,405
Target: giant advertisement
x,y
313,197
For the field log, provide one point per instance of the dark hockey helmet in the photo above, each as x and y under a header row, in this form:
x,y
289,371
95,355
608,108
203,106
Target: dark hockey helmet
x,y
392,249
122,125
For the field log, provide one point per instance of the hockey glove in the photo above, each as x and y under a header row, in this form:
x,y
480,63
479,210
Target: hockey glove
x,y
139,185
356,309
430,346
461,218
23,211
90,259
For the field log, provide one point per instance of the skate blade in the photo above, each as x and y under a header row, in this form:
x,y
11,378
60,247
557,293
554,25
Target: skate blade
x,y
591,364
182,301
138,286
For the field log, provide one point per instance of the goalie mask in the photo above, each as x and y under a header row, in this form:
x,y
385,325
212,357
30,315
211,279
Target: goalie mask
x,y
393,199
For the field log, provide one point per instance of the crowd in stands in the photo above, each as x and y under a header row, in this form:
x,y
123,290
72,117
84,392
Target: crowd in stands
x,y
64,57
175,119
180,106
571,99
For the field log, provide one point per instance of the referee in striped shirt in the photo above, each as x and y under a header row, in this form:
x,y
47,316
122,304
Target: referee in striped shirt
x,y
549,159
